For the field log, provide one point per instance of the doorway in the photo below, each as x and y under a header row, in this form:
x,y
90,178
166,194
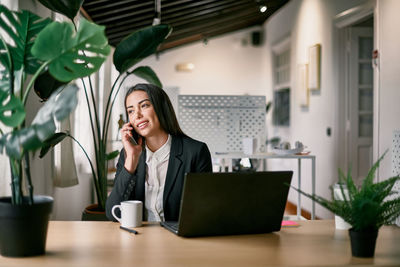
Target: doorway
x,y
358,44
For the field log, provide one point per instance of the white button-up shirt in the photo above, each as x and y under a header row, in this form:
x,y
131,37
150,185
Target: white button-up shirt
x,y
157,165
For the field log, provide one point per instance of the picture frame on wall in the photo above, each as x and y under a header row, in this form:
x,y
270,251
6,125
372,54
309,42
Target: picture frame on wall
x,y
302,85
314,67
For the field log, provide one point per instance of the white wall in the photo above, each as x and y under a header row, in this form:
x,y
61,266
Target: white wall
x,y
388,22
224,66
310,22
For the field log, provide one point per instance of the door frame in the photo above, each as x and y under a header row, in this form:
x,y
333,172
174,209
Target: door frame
x,y
342,21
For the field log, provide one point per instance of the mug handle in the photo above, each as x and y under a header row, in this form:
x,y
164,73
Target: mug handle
x,y
113,212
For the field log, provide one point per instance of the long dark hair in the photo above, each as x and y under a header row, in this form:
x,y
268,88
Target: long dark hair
x,y
162,106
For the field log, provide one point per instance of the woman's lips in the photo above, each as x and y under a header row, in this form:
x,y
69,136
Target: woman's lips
x,y
142,125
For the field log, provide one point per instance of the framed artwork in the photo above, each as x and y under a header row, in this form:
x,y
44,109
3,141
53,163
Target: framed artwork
x,y
314,67
302,85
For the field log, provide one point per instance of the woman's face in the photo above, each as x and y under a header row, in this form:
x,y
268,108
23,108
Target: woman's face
x,y
142,115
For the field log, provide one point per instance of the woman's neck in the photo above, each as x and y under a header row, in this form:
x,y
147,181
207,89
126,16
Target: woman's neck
x,y
156,141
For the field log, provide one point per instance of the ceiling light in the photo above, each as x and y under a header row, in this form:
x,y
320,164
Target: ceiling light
x,y
263,9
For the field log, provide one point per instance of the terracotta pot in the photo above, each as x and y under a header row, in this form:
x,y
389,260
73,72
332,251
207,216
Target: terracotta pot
x,y
23,228
93,213
363,243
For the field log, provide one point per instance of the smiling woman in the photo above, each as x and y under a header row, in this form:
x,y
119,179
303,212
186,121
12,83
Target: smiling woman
x,y
152,170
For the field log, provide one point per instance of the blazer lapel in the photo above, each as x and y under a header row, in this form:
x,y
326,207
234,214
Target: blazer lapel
x,y
141,177
174,165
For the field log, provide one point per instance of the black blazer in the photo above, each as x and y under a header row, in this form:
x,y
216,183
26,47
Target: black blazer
x,y
186,155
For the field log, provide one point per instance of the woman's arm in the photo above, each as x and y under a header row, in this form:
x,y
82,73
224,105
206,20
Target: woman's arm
x,y
125,178
124,184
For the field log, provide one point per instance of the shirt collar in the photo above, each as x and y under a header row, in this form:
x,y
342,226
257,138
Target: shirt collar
x,y
160,154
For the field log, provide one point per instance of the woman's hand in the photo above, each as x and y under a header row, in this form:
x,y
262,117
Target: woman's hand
x,y
132,150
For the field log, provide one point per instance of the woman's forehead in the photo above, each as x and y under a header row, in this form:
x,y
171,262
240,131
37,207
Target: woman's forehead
x,y
136,97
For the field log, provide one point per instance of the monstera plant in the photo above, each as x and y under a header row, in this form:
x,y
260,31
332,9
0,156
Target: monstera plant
x,y
29,46
128,53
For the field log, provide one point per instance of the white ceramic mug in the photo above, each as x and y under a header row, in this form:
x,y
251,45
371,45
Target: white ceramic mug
x,y
338,195
131,213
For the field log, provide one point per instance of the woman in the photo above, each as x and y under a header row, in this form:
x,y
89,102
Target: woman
x,y
153,169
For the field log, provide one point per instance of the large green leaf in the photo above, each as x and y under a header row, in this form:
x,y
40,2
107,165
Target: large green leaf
x,y
4,81
139,45
72,55
22,28
12,111
5,56
112,155
68,8
31,138
51,142
45,85
147,74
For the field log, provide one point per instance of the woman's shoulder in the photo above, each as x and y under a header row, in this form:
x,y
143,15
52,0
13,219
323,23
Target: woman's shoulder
x,y
187,140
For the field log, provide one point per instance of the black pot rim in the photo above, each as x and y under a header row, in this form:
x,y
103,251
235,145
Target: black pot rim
x,y
39,198
368,230
40,203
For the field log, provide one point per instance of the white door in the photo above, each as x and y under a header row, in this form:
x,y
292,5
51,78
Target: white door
x,y
360,102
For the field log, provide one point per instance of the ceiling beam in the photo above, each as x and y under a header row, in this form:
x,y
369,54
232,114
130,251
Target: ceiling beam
x,y
112,4
200,23
200,37
126,10
243,16
127,24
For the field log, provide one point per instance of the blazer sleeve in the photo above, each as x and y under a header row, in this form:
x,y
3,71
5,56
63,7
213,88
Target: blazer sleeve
x,y
124,185
203,162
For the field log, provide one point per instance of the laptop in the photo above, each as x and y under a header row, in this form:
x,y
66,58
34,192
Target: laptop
x,y
231,203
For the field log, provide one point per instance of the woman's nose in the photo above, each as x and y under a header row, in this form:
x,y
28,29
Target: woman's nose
x,y
138,114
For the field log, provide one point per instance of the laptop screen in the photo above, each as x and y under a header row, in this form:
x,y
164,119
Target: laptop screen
x,y
233,203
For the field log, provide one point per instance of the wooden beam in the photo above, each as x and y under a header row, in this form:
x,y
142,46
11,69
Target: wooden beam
x,y
127,10
85,14
173,20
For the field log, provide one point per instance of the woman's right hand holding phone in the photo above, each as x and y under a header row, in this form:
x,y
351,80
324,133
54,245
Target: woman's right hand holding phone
x,y
133,148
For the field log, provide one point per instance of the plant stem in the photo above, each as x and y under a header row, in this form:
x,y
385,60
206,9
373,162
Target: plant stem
x,y
91,120
107,106
13,191
94,107
108,118
98,147
28,177
32,81
16,181
96,185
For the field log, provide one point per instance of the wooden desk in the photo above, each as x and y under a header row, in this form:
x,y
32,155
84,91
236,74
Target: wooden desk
x,y
314,243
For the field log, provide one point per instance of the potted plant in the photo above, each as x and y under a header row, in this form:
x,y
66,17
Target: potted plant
x,y
30,45
366,208
130,51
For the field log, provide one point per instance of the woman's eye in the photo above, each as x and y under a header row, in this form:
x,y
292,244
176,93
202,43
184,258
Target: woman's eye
x,y
131,111
145,105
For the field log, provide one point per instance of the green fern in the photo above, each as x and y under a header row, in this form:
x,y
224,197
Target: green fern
x,y
368,207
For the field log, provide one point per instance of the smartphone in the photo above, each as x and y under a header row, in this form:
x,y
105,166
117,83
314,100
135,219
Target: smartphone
x,y
134,137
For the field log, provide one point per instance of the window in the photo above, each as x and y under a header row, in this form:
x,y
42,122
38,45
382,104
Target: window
x,y
281,72
281,111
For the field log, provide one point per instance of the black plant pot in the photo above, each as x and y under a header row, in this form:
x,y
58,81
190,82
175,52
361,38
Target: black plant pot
x,y
94,213
23,228
363,243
